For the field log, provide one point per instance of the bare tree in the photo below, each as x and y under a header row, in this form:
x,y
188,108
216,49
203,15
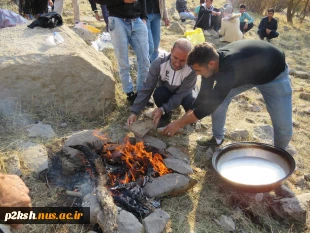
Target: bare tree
x,y
291,9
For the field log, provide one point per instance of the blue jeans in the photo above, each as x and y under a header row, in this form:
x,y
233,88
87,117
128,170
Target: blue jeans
x,y
134,33
186,15
153,27
278,97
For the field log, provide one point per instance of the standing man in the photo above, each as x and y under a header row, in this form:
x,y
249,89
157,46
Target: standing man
x,y
245,26
59,5
231,70
173,81
268,26
156,10
127,26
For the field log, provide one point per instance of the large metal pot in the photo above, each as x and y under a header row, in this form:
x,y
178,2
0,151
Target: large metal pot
x,y
253,167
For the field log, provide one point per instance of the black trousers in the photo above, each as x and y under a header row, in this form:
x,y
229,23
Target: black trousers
x,y
162,95
250,25
262,34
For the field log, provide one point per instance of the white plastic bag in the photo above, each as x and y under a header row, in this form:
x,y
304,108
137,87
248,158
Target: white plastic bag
x,y
103,42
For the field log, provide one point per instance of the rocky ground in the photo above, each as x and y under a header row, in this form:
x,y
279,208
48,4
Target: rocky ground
x,y
211,206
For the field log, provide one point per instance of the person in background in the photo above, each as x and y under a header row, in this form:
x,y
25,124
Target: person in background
x,y
209,19
13,193
234,69
127,26
196,12
268,26
181,6
58,7
174,84
35,8
245,26
156,10
230,31
104,11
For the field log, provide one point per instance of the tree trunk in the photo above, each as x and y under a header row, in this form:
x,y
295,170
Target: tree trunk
x,y
291,9
289,15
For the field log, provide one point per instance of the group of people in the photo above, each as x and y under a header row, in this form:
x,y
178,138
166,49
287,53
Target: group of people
x,y
224,23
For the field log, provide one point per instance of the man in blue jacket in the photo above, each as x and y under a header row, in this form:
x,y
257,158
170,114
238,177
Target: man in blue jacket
x,y
127,26
268,26
246,21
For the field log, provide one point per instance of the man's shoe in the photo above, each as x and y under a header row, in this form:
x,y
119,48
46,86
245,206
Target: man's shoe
x,y
268,40
209,143
207,33
131,96
183,20
214,33
262,38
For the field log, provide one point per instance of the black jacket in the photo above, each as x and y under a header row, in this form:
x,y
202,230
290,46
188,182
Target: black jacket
x,y
203,20
118,8
272,25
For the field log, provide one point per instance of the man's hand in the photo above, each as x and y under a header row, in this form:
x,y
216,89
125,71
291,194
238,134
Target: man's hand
x,y
129,1
26,16
172,128
144,21
157,113
214,13
167,22
268,31
245,26
13,193
50,3
131,119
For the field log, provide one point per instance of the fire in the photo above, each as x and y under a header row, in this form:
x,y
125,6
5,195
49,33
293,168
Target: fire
x,y
139,163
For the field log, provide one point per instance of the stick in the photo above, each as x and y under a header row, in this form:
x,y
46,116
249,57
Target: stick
x,y
109,223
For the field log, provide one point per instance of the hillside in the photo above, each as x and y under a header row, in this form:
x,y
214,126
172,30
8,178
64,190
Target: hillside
x,y
196,211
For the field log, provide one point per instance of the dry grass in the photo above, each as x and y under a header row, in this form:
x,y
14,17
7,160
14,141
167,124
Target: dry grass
x,y
196,210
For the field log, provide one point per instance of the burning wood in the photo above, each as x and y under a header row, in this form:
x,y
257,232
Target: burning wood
x,y
122,170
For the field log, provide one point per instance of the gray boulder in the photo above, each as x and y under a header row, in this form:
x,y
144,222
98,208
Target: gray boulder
x,y
71,76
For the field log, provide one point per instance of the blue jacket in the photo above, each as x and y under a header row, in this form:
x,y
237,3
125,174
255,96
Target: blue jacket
x,y
246,16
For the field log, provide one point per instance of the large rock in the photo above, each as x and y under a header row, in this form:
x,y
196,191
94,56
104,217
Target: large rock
x,y
156,221
172,184
128,223
71,76
294,208
34,156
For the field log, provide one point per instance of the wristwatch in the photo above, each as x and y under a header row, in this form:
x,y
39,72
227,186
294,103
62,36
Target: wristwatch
x,y
163,110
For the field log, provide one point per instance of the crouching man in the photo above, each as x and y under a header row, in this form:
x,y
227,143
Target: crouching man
x,y
231,70
173,81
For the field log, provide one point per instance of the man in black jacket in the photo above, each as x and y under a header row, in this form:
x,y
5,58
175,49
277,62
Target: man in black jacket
x,y
127,25
268,26
231,70
209,19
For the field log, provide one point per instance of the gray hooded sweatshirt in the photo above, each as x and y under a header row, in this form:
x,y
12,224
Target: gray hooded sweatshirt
x,y
180,82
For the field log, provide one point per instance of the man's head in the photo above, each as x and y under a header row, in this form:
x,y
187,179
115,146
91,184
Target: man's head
x,y
209,3
179,53
204,60
242,8
270,12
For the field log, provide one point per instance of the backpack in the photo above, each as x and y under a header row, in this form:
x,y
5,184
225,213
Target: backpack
x,y
48,20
